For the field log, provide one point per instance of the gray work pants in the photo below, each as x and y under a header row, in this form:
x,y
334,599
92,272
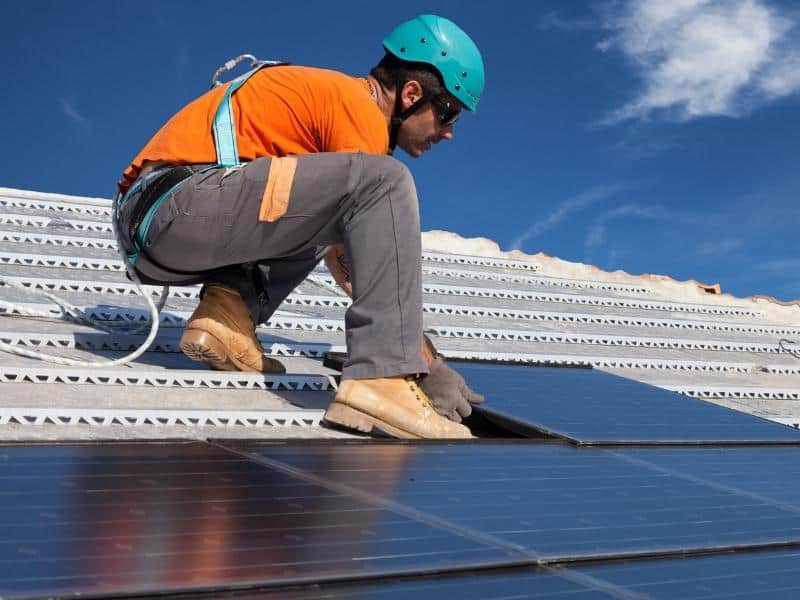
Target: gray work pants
x,y
210,231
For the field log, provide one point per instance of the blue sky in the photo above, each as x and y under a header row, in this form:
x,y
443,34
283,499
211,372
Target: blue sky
x,y
656,136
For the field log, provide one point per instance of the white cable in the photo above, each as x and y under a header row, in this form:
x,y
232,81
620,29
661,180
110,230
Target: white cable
x,y
68,309
783,343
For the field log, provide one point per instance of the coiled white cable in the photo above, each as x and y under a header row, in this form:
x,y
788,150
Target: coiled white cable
x,y
67,311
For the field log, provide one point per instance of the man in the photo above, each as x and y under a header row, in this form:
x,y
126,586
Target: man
x,y
314,181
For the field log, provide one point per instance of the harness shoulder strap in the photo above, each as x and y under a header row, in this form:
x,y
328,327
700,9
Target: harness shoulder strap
x,y
223,126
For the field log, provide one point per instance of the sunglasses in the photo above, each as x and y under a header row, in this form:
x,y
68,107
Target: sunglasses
x,y
447,109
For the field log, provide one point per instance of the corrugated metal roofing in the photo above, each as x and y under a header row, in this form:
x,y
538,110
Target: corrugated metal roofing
x,y
717,348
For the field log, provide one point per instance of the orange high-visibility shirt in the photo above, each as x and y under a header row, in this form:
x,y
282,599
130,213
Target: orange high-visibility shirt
x,y
279,111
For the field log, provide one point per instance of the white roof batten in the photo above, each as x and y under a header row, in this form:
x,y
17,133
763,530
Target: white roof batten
x,y
735,392
603,362
13,193
34,221
604,339
121,342
606,319
129,417
480,261
542,280
176,318
170,378
608,301
50,239
83,208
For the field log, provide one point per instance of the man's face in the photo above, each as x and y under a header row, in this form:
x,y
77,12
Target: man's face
x,y
424,128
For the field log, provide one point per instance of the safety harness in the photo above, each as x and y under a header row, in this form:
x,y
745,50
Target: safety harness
x,y
227,151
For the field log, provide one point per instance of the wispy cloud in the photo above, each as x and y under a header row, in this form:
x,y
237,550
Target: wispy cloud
x,y
563,210
718,248
553,21
705,57
71,112
596,234
783,264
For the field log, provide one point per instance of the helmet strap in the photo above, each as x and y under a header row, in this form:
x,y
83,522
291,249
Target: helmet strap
x,y
399,115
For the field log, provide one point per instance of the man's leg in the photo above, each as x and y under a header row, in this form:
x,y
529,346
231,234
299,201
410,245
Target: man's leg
x,y
367,202
221,331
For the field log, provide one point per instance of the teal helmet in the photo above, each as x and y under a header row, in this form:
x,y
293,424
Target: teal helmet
x,y
444,45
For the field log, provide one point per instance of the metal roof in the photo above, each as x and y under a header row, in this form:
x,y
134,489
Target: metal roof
x,y
717,348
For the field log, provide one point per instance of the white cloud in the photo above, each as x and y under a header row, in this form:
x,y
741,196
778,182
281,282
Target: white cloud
x,y
705,57
71,112
563,210
597,232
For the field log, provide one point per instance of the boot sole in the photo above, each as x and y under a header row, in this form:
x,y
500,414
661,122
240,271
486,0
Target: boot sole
x,y
205,347
345,416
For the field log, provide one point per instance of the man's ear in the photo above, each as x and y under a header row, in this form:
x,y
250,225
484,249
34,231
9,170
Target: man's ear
x,y
412,92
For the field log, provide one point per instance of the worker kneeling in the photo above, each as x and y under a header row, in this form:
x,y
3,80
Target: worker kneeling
x,y
247,187
279,212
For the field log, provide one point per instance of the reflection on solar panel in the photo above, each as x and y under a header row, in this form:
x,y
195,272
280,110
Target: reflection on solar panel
x,y
133,518
593,407
556,502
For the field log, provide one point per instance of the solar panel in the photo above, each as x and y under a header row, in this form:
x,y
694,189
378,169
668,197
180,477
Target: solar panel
x,y
557,502
133,518
587,406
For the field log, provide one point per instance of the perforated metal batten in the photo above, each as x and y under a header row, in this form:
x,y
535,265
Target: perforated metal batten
x,y
166,378
105,417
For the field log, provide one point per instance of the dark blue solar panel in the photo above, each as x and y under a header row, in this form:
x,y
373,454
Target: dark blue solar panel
x,y
592,407
132,518
556,501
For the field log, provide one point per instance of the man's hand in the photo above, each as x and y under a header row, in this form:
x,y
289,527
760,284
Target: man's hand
x,y
448,392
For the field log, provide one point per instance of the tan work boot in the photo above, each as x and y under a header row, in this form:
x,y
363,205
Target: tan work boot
x,y
394,405
221,333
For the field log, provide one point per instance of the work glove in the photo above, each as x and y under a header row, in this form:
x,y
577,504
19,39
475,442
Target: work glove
x,y
448,392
